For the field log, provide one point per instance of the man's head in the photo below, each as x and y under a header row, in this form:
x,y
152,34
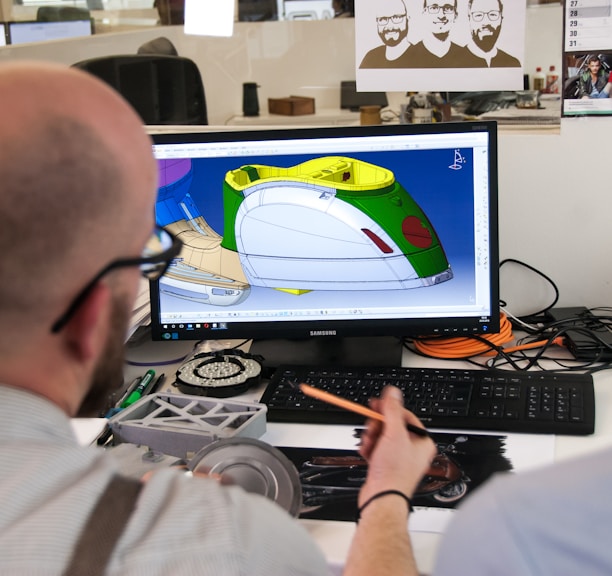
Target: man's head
x,y
78,187
485,18
392,22
440,14
594,64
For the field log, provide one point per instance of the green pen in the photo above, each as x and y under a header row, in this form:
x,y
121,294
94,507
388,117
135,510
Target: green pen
x,y
140,389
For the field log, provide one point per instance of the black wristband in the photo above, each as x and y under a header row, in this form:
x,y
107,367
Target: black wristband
x,y
380,495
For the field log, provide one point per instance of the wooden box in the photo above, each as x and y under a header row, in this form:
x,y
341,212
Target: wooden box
x,y
291,106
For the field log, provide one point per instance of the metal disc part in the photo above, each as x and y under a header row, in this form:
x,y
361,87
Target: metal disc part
x,y
254,465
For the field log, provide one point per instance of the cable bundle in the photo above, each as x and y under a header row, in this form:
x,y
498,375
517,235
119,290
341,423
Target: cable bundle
x,y
465,347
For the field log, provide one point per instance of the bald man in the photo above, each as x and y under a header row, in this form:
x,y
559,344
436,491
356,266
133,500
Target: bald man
x,y
78,183
77,190
392,27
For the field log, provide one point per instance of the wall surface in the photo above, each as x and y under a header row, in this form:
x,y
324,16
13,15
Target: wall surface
x,y
554,205
555,211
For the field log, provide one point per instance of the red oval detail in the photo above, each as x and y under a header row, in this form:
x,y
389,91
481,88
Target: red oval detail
x,y
416,232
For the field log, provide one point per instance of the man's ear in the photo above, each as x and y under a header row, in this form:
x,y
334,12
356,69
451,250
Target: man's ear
x,y
87,329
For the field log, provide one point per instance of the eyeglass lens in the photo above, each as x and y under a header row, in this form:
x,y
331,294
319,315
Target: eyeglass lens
x,y
396,19
492,15
159,242
434,9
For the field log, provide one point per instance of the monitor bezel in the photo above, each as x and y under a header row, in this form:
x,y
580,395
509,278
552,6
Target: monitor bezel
x,y
405,327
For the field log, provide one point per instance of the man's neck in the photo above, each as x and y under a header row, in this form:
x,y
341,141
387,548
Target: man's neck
x,y
394,52
47,377
488,56
436,46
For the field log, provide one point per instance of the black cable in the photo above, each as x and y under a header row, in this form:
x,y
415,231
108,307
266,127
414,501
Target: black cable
x,y
539,273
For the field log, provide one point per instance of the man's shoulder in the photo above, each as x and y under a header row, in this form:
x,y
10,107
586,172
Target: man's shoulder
x,y
219,525
462,57
418,56
520,523
504,60
375,58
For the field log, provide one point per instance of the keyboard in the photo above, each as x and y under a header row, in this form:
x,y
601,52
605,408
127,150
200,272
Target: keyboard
x,y
531,402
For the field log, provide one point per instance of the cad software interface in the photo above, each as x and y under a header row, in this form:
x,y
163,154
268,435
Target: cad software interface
x,y
309,229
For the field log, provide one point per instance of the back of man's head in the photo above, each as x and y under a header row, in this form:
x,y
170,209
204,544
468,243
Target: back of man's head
x,y
75,173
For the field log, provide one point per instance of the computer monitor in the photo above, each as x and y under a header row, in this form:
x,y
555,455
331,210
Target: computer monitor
x,y
2,34
22,32
317,237
352,100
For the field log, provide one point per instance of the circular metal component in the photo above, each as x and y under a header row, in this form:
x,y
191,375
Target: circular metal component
x,y
220,374
255,466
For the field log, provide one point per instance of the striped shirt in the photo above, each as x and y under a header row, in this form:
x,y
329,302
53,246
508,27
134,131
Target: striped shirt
x,y
181,526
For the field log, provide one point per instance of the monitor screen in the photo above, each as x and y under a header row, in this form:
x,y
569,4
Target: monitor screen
x,y
34,31
2,34
338,232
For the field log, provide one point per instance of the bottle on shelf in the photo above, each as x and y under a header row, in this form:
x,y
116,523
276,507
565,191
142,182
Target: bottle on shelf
x,y
539,80
552,81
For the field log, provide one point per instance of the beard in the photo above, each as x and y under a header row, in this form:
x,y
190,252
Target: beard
x,y
108,372
389,40
486,43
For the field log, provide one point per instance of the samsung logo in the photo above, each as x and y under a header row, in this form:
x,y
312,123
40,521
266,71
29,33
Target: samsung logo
x,y
322,332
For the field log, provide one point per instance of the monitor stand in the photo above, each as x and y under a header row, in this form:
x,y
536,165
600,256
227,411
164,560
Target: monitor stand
x,y
354,351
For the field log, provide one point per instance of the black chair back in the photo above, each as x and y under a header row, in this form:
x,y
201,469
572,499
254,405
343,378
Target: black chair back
x,y
162,89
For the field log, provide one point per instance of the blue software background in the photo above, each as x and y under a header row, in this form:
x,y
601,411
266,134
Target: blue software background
x,y
445,195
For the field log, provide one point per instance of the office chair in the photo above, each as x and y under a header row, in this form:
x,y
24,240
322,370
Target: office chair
x,y
162,89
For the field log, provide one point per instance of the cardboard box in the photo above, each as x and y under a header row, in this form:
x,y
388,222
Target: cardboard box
x,y
291,106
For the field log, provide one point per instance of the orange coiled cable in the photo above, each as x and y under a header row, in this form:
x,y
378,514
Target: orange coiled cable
x,y
464,347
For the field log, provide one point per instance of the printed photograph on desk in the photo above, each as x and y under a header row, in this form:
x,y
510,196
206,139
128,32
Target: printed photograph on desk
x,y
587,58
331,479
439,45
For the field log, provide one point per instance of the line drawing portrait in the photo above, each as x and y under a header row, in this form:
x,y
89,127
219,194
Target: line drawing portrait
x,y
392,28
486,19
439,45
436,49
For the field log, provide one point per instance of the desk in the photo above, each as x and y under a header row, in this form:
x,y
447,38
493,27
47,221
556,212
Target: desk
x,y
334,537
542,120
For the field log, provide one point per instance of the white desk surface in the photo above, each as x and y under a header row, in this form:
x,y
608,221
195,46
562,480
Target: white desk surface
x,y
546,118
334,537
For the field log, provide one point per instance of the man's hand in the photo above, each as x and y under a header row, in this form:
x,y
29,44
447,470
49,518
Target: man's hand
x,y
397,459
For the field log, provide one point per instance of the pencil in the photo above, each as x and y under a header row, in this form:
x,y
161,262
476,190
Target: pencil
x,y
353,406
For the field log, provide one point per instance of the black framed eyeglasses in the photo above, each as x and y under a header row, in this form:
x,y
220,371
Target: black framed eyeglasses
x,y
435,9
492,15
396,19
159,251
